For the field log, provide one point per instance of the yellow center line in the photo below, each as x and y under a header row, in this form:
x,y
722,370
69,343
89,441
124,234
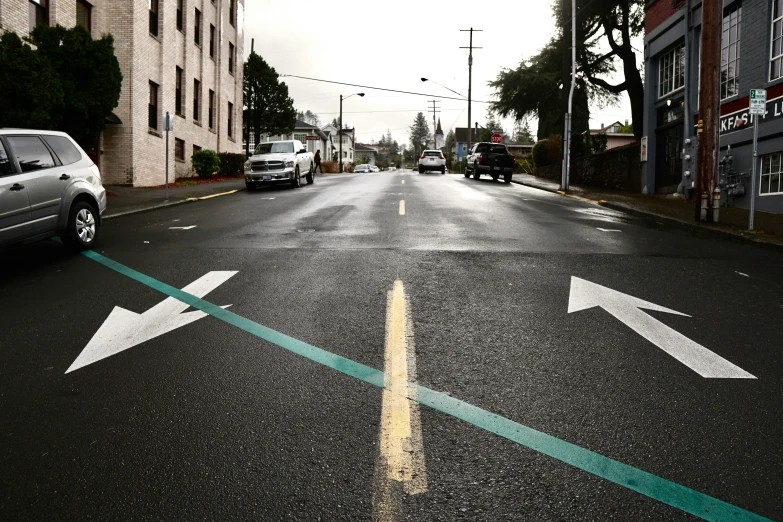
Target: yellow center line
x,y
401,458
402,207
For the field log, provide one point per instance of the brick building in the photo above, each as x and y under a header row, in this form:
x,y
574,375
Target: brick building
x,y
751,58
181,56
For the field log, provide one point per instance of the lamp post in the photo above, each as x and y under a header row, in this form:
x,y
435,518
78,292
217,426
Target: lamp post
x,y
436,83
340,130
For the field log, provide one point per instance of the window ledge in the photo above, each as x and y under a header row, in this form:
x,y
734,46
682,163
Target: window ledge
x,y
155,133
200,46
179,160
231,139
212,130
196,122
180,114
156,38
181,30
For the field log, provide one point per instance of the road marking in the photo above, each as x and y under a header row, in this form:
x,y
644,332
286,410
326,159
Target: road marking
x,y
124,329
652,486
183,228
402,207
608,229
213,195
743,275
627,309
403,182
401,456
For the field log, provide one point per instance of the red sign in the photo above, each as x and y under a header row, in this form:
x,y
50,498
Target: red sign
x,y
312,138
497,138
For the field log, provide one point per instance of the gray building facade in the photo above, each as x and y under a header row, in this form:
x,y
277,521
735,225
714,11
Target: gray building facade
x,y
751,58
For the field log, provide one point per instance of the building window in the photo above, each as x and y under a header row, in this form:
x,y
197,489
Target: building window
x,y
153,5
729,52
196,99
671,71
178,93
211,115
179,14
153,106
39,13
211,41
84,14
179,149
196,148
231,9
231,58
230,120
776,69
771,174
301,137
197,28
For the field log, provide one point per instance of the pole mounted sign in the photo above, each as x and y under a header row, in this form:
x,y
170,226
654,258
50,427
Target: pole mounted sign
x,y
497,138
758,107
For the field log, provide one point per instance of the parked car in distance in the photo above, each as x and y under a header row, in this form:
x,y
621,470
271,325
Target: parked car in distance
x,y
432,160
373,168
362,168
48,187
492,159
279,162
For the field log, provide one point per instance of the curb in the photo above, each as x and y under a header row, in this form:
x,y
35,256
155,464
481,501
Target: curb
x,y
166,205
724,234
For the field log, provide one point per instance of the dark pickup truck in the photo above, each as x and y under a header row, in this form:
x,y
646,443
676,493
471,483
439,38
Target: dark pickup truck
x,y
492,159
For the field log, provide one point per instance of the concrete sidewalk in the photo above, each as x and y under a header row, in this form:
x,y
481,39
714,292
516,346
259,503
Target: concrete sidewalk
x,y
673,209
130,200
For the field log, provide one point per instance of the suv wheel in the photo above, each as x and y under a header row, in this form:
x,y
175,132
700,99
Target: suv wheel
x,y
443,170
421,169
82,228
507,177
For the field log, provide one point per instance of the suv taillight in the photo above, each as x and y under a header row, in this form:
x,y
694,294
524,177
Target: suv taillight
x,y
423,156
441,157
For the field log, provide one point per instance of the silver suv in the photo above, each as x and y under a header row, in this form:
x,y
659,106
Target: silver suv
x,y
48,187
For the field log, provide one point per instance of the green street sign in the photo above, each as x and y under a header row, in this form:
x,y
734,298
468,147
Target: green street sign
x,y
758,101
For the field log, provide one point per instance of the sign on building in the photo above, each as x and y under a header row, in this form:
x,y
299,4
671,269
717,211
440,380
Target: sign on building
x,y
643,148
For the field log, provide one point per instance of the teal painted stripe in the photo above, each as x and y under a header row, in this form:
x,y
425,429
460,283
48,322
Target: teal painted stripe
x,y
671,493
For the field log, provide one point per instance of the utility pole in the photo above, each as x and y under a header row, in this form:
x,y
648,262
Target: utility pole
x,y
340,135
569,102
434,108
470,75
709,94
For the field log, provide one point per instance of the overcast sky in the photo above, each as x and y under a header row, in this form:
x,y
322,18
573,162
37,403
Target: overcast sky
x,y
392,45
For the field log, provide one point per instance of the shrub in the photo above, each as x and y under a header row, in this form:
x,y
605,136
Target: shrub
x,y
330,167
554,149
231,164
348,167
205,163
540,156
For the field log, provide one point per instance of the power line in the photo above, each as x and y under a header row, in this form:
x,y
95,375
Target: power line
x,y
378,88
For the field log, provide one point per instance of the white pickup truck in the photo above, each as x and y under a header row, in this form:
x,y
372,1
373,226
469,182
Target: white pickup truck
x,y
279,162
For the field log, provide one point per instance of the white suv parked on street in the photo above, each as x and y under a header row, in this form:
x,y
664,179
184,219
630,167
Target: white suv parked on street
x,y
432,160
48,187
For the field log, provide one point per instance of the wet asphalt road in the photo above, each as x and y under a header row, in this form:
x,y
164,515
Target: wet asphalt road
x,y
209,422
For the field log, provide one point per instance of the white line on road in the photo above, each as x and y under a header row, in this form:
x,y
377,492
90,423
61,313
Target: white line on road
x,y
608,229
401,457
403,182
744,275
402,207
183,228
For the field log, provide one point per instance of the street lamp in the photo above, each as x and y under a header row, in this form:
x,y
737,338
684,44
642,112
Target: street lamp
x,y
340,130
436,83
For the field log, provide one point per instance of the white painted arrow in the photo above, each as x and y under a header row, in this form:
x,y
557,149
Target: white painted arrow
x,y
626,308
183,228
124,329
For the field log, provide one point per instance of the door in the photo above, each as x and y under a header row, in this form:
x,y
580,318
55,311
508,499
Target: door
x,y
42,173
14,202
669,143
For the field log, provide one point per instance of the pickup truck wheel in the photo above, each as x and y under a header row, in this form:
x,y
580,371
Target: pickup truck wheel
x,y
507,177
309,176
250,186
495,177
476,173
297,179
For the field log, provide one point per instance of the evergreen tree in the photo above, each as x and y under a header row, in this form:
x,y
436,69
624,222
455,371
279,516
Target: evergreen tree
x,y
419,134
268,107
